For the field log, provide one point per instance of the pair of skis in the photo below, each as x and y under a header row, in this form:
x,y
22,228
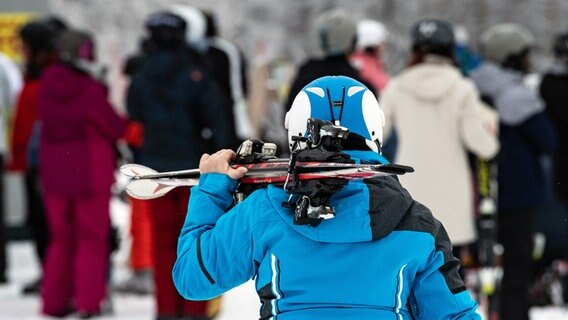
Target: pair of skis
x,y
146,183
490,271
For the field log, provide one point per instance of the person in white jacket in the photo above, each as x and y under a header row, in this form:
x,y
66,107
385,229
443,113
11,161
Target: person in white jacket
x,y
439,118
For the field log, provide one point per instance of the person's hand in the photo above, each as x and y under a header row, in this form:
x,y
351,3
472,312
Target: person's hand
x,y
219,163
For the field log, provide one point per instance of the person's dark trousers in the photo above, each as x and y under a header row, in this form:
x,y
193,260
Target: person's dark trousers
x,y
3,265
515,234
168,216
36,221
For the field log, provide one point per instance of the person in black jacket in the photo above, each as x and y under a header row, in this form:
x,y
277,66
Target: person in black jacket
x,y
526,133
182,117
224,62
336,37
554,91
227,64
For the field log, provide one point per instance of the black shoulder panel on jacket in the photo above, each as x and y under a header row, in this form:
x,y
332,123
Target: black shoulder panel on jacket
x,y
389,202
419,218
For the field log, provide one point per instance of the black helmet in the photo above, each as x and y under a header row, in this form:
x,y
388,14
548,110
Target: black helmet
x,y
166,29
433,36
561,46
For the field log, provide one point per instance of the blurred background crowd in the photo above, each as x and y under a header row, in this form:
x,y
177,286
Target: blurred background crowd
x,y
465,86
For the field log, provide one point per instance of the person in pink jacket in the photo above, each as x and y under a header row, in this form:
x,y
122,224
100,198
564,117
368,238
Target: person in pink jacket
x,y
367,58
76,162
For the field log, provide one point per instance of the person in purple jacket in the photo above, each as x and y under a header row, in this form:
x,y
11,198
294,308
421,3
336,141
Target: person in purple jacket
x,y
76,162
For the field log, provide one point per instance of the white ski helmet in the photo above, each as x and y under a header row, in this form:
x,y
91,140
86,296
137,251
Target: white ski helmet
x,y
370,33
335,31
461,35
342,100
503,40
195,23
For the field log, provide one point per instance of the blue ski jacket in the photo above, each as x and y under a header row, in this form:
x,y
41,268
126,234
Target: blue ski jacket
x,y
384,256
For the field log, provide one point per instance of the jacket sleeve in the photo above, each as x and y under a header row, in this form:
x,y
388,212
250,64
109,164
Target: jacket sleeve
x,y
25,116
133,106
215,247
556,106
539,132
438,291
474,128
106,120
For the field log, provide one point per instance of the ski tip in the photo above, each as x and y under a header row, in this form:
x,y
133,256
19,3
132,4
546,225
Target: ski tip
x,y
132,170
398,169
147,189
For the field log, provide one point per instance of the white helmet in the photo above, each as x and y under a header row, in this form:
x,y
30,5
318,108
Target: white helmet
x,y
343,101
503,40
195,22
370,33
335,31
461,35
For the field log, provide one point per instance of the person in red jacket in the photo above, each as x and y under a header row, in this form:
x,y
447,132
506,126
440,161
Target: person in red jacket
x,y
37,38
77,160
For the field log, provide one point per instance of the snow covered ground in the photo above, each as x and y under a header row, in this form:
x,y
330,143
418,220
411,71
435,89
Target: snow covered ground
x,y
239,304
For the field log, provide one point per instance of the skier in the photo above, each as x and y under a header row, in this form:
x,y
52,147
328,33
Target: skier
x,y
438,118
553,90
224,62
79,129
38,46
174,101
367,58
525,133
228,65
383,255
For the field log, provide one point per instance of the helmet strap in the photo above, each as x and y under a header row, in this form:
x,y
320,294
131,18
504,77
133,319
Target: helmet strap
x,y
336,103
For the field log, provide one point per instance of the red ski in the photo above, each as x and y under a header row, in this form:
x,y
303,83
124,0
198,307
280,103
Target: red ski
x,y
147,183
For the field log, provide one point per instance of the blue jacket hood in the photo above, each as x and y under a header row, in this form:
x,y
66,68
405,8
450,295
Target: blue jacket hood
x,y
366,210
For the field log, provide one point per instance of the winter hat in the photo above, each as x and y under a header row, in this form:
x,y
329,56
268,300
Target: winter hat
x,y
504,40
335,31
73,45
370,33
166,28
